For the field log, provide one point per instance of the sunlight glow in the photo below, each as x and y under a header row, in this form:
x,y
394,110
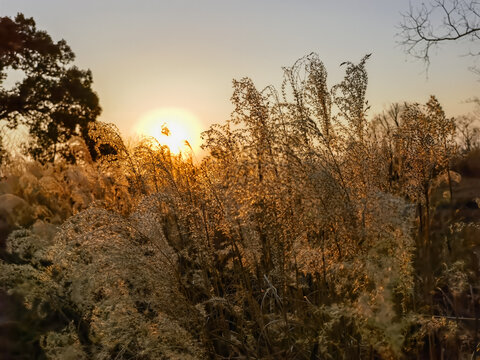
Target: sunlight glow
x,y
172,127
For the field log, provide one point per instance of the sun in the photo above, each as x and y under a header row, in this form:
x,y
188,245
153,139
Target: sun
x,y
176,128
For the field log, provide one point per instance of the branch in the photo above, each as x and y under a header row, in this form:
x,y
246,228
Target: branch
x,y
439,21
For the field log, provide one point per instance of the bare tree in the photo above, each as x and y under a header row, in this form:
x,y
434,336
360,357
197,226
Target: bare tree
x,y
440,21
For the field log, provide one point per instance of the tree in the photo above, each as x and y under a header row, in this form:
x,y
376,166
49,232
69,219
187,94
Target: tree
x,y
469,133
427,146
53,99
440,21
3,153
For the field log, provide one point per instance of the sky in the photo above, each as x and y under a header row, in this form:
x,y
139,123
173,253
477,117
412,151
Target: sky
x,y
148,55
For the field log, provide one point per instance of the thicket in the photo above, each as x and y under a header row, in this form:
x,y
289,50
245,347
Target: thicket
x,y
307,232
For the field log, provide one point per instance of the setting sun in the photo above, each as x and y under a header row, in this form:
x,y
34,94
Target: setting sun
x,y
178,129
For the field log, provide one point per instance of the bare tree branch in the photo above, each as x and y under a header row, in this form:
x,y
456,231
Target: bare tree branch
x,y
440,21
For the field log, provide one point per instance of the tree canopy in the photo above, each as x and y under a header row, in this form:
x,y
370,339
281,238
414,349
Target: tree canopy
x,y
53,99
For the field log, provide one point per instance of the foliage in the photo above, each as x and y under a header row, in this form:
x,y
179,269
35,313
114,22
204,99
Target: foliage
x,y
54,100
123,308
304,234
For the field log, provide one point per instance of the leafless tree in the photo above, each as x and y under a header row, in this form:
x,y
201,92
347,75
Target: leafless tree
x,y
426,26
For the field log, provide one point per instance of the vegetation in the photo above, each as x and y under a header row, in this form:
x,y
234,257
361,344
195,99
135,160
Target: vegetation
x,y
311,230
55,101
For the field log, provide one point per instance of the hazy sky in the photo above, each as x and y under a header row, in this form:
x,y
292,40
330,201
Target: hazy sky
x,y
146,55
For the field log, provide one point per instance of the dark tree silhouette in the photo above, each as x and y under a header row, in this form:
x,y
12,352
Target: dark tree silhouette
x,y
53,99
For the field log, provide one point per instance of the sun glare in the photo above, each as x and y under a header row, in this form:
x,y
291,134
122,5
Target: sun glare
x,y
178,129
